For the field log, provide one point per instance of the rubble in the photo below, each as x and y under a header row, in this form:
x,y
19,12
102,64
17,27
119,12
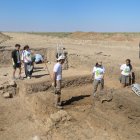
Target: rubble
x,y
56,118
8,89
7,95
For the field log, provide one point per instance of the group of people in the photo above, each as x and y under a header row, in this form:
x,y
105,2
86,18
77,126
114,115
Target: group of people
x,y
26,58
98,76
126,78
98,70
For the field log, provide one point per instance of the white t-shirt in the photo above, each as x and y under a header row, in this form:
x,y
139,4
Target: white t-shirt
x,y
125,69
26,56
98,72
38,58
22,55
18,56
58,69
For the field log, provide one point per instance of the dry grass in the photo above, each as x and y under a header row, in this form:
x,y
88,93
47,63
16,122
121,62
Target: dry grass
x,y
52,34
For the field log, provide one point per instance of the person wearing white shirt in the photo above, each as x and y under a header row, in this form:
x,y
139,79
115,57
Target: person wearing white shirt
x,y
27,59
38,58
98,74
57,78
126,70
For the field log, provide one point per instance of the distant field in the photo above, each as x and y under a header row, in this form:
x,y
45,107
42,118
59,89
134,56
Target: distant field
x,y
66,34
54,34
126,34
85,35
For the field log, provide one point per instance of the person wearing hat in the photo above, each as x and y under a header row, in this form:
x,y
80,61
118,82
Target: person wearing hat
x,y
98,74
57,78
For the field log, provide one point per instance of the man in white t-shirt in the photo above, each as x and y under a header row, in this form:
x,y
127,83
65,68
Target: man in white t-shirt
x,y
98,73
126,73
57,78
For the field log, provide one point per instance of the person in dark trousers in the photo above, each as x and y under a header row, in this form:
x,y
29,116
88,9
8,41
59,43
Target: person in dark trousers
x,y
16,61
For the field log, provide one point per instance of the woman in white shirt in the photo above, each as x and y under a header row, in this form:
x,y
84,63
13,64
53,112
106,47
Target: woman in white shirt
x,y
126,70
27,58
98,73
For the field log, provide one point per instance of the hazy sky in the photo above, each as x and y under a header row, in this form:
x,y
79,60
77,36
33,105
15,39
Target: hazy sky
x,y
70,15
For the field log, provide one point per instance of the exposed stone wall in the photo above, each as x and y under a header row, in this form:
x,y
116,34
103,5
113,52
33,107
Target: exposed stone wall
x,y
35,87
5,54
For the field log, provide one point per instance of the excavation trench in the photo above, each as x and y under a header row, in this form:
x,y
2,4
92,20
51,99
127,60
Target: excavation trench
x,y
111,115
46,85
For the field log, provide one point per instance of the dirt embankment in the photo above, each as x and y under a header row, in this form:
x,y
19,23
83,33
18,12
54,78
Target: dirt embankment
x,y
105,36
4,37
111,115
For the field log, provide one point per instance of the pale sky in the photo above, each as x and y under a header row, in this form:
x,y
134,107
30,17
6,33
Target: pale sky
x,y
70,15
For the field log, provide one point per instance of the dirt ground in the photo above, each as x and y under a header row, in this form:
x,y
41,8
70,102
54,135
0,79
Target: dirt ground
x,y
113,114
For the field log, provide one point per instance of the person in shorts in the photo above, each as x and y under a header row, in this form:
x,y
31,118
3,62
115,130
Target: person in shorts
x,y
16,61
57,79
98,74
126,70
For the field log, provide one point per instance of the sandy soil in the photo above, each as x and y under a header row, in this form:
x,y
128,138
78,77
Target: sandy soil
x,y
112,115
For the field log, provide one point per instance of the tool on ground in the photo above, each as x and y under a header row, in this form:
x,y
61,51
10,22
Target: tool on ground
x,y
136,88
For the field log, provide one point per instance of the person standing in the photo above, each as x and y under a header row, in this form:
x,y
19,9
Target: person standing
x,y
16,61
126,70
27,58
57,79
98,74
65,53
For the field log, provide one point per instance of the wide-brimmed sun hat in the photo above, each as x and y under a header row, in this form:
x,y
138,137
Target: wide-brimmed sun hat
x,y
61,57
100,63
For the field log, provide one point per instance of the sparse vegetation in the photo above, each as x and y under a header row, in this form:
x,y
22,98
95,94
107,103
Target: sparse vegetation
x,y
54,34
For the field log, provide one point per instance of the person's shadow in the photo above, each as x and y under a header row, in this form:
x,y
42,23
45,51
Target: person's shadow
x,y
36,71
36,68
39,76
133,78
74,99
